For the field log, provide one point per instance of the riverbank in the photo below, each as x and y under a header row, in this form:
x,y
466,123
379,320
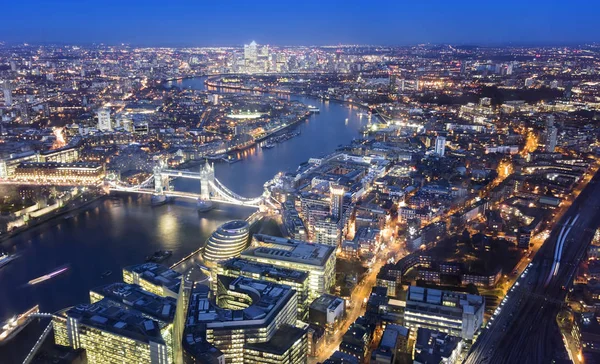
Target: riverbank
x,y
289,93
54,218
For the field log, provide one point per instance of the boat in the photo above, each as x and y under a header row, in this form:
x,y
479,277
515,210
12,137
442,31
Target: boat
x,y
159,256
5,259
45,277
106,274
159,200
11,327
69,216
268,146
231,159
204,205
313,109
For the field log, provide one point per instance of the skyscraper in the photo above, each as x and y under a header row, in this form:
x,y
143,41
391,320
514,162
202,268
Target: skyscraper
x,y
104,123
550,135
337,201
7,88
250,57
440,145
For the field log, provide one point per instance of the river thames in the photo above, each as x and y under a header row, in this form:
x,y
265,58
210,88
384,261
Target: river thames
x,y
120,231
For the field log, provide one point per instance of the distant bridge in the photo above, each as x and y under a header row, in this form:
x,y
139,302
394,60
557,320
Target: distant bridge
x,y
211,189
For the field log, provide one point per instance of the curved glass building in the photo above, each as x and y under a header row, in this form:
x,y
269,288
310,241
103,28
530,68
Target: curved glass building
x,y
228,241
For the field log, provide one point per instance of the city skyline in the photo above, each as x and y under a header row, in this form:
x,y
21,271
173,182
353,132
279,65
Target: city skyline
x,y
389,23
270,182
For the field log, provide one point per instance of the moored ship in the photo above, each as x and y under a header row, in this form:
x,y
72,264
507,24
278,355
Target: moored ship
x,y
159,256
5,259
11,327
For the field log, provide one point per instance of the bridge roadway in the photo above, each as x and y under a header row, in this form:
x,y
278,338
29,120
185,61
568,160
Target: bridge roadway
x,y
525,329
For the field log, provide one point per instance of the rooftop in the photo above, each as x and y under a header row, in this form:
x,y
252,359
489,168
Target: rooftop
x,y
281,342
158,307
290,250
113,317
326,302
265,270
267,298
157,274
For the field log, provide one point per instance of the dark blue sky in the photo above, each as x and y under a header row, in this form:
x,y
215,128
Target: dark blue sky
x,y
234,22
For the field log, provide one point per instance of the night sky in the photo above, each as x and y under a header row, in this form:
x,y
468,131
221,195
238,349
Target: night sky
x,y
303,22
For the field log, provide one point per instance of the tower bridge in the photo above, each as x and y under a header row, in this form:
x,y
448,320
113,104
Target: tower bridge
x,y
211,189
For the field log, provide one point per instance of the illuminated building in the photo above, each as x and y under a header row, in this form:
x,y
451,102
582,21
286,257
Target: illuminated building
x,y
228,241
337,201
550,134
163,309
77,173
440,145
436,347
449,312
113,333
278,350
317,260
155,278
237,316
7,89
63,155
296,279
327,311
327,231
393,341
104,123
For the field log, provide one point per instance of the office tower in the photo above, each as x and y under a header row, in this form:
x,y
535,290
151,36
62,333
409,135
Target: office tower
x,y
13,66
440,145
454,313
228,241
550,135
113,333
336,193
247,320
317,260
104,123
7,89
250,57
155,278
250,52
298,280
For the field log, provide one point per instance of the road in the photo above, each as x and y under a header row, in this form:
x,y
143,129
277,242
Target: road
x,y
525,330
359,294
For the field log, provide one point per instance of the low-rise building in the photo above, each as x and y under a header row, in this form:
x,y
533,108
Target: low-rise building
x,y
449,312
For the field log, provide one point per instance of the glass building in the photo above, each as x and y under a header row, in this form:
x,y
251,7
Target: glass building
x,y
228,241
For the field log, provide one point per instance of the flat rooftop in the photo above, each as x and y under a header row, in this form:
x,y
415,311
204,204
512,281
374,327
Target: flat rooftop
x,y
468,302
157,274
267,298
132,295
326,302
115,318
262,269
297,251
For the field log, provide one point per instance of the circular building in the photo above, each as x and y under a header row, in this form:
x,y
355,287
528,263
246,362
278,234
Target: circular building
x,y
228,241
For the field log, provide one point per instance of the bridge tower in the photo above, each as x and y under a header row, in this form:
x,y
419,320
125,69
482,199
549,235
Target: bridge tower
x,y
160,182
207,176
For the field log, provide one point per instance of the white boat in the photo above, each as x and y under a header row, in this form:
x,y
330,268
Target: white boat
x,y
5,259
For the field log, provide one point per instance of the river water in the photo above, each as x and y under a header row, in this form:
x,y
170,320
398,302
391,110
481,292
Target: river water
x,y
113,233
